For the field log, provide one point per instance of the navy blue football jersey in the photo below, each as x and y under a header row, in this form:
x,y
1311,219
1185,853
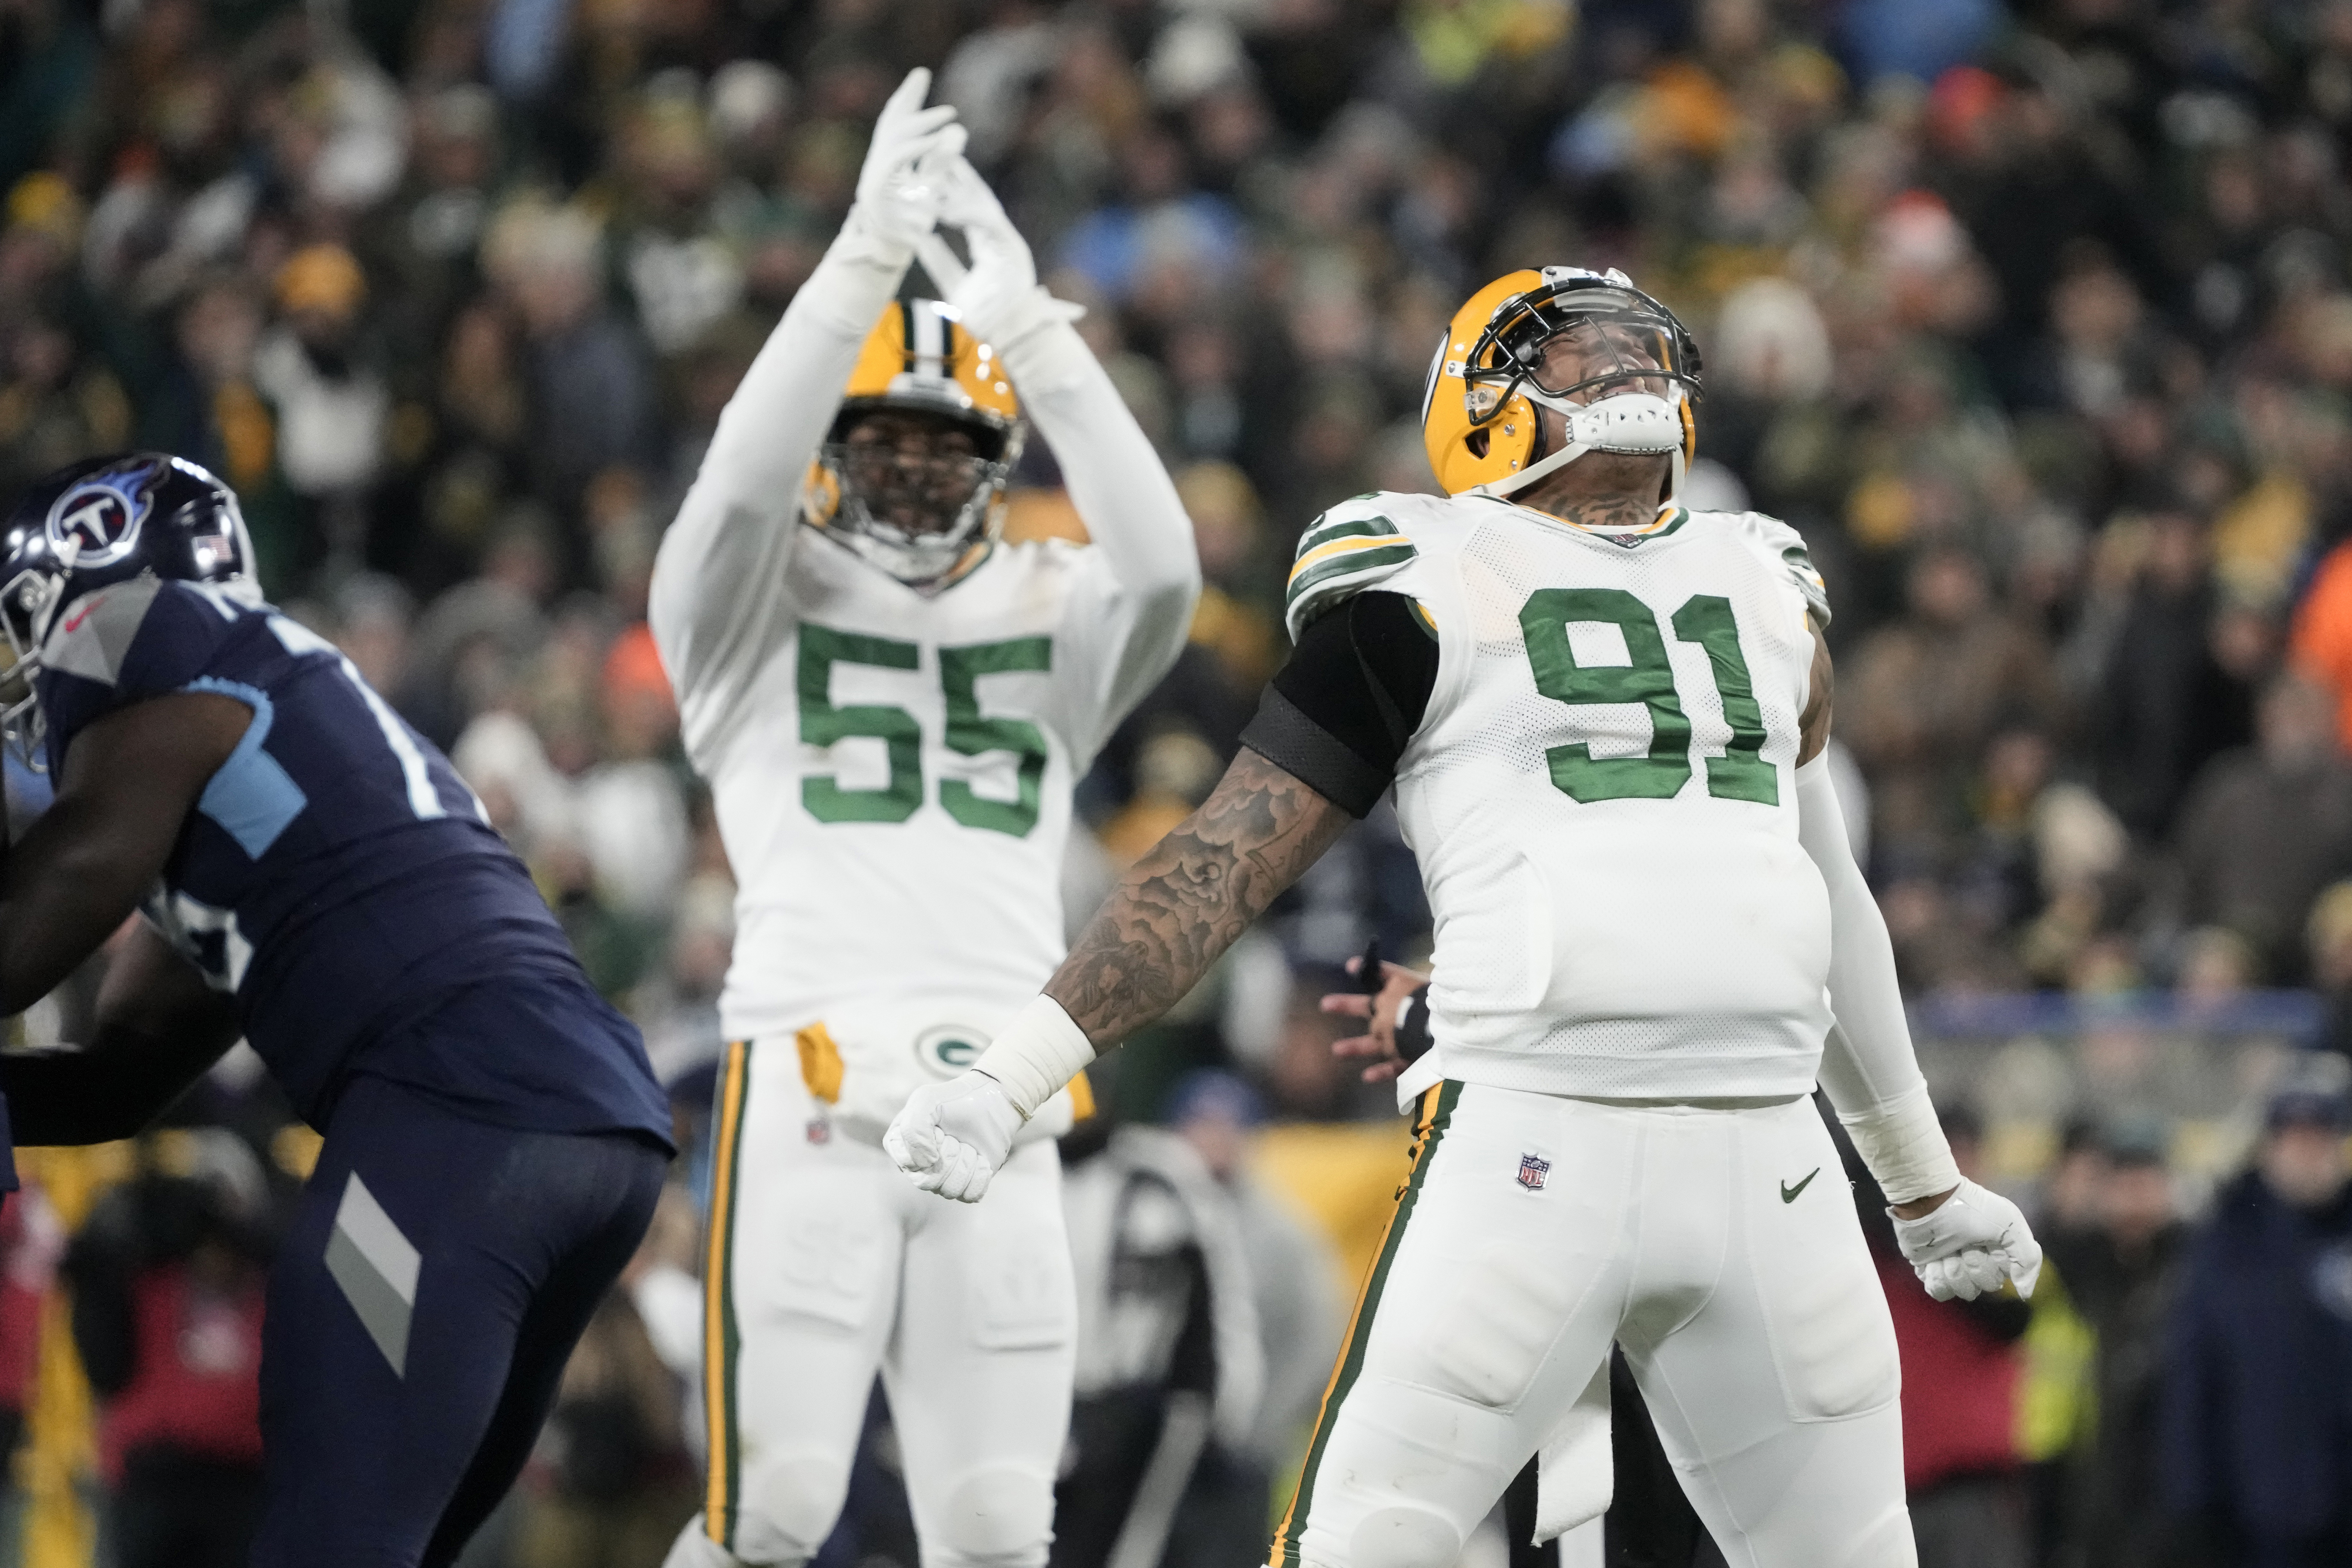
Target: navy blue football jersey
x,y
340,879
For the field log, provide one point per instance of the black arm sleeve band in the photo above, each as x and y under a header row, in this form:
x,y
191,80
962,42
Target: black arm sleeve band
x,y
1412,1037
1339,714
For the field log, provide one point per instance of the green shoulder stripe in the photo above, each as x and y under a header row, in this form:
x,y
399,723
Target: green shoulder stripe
x,y
1807,579
1325,529
1354,561
1317,585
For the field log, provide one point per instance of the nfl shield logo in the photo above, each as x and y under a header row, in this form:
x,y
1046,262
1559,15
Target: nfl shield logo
x,y
1532,1170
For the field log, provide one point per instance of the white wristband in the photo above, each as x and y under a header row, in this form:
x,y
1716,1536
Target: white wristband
x,y
1904,1146
1034,1055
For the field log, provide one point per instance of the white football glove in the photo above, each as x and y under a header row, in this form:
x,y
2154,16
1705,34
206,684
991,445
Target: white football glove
x,y
998,295
1975,1239
952,1138
903,185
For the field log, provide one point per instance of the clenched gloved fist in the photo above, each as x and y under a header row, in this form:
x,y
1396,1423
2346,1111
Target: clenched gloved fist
x,y
952,1138
903,185
1975,1239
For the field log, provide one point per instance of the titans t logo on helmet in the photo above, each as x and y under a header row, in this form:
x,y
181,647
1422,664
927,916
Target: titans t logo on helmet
x,y
101,515
90,525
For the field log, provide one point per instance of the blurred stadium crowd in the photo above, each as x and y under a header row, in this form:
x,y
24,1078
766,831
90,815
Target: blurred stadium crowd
x,y
2036,320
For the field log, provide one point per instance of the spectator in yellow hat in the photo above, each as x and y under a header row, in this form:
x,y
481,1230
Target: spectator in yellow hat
x,y
330,401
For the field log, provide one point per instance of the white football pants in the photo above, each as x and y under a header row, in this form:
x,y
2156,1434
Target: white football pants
x,y
1719,1246
825,1265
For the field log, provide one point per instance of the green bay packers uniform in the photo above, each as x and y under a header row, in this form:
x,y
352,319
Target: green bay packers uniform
x,y
1595,765
1593,737
1600,790
1652,941
890,725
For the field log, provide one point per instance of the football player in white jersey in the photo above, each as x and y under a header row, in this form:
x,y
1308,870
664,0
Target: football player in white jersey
x,y
891,707
1602,717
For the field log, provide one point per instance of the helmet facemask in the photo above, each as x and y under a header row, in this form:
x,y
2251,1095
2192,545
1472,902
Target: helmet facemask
x,y
1639,403
924,517
28,602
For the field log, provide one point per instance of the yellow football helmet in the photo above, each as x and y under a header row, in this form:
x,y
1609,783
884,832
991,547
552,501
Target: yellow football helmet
x,y
924,520
1478,412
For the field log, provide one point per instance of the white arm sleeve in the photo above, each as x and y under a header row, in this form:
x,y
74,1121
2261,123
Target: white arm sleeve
x,y
1135,608
717,603
1868,1068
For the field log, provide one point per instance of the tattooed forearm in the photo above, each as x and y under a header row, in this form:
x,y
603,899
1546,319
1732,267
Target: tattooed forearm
x,y
1181,906
1813,723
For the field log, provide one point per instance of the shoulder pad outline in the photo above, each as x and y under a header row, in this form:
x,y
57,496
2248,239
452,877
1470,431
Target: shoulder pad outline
x,y
1344,551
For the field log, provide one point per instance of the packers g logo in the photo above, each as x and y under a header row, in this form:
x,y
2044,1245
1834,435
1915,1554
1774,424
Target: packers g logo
x,y
945,1049
97,521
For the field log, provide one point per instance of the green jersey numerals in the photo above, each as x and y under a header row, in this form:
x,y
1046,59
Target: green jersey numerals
x,y
1648,677
969,732
972,734
822,724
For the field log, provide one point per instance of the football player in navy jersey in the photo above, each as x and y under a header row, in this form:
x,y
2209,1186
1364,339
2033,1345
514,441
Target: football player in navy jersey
x,y
315,877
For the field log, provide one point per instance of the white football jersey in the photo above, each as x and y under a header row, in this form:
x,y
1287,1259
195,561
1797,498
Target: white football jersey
x,y
1601,792
892,771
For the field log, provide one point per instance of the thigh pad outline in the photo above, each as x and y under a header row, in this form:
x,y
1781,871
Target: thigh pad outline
x,y
829,1267
789,1503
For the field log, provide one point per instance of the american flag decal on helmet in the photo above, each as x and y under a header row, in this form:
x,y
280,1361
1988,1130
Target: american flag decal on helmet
x,y
1533,1168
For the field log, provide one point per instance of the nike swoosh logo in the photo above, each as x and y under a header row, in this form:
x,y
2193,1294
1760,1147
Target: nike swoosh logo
x,y
1788,1193
83,614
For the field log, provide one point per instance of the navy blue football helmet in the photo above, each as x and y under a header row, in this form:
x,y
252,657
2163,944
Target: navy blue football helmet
x,y
94,523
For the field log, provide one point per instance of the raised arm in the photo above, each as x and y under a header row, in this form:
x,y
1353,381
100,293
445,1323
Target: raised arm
x,y
1152,577
714,605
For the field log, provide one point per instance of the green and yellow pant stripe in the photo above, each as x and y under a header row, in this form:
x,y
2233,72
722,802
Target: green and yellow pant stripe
x,y
1436,1113
720,1340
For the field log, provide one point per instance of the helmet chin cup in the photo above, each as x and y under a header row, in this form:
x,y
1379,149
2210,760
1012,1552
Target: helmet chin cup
x,y
1635,424
1631,422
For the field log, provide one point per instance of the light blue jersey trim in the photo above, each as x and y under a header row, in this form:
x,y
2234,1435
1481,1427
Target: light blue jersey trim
x,y
251,796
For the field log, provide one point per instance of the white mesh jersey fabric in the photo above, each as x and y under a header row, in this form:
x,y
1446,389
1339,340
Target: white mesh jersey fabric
x,y
896,810
1619,913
